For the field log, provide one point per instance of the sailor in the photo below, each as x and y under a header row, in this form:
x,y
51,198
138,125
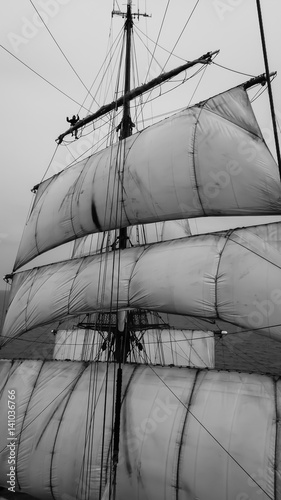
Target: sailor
x,y
72,122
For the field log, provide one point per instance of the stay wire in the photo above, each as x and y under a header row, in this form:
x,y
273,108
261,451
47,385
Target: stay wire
x,y
60,49
210,434
158,36
260,92
198,83
43,78
233,70
116,44
151,53
153,41
181,33
148,100
49,164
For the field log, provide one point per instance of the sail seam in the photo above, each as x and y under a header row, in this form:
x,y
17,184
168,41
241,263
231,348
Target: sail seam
x,y
144,249
72,196
72,285
52,453
134,139
259,136
45,192
180,444
193,160
7,379
33,275
255,252
226,237
25,415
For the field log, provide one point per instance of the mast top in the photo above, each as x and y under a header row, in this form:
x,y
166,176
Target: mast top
x,y
132,14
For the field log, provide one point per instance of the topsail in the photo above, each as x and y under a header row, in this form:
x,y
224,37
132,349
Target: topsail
x,y
210,159
233,276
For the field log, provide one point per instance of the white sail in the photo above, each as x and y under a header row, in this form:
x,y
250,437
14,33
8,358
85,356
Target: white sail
x,y
193,348
233,276
137,235
200,434
210,159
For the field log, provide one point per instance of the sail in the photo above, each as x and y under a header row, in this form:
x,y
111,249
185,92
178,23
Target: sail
x,y
205,434
159,347
233,276
137,235
209,159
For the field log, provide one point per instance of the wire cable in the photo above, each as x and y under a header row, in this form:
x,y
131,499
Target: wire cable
x,y
66,58
182,31
43,78
210,434
158,36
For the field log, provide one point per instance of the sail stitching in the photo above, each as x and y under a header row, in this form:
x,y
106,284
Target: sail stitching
x,y
13,363
180,444
240,126
197,188
25,415
141,253
134,139
211,435
72,284
220,240
68,397
253,251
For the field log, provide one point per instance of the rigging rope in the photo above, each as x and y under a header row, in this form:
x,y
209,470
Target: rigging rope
x,y
234,70
181,33
160,46
158,36
66,58
49,164
43,78
109,56
210,434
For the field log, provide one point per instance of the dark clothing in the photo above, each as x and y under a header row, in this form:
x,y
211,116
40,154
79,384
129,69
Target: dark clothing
x,y
72,122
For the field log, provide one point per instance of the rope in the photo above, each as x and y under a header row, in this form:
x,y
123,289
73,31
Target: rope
x,y
42,77
66,58
210,434
181,33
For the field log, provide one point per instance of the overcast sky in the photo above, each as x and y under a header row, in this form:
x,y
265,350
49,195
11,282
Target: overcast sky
x,y
34,112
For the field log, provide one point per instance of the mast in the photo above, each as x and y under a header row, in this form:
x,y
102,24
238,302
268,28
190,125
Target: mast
x,y
122,329
270,95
